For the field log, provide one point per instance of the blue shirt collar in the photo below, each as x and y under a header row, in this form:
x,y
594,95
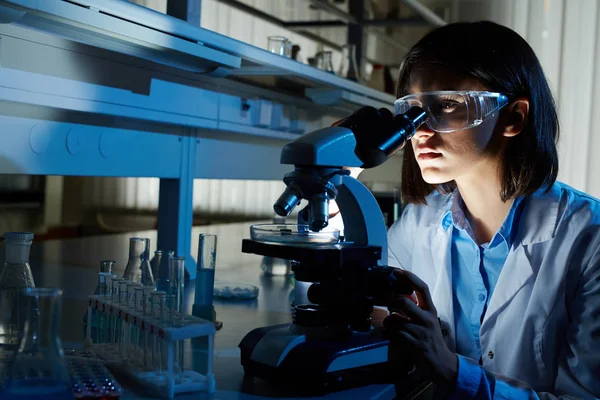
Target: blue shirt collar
x,y
455,216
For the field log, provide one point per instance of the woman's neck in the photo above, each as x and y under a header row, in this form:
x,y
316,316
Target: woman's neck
x,y
485,210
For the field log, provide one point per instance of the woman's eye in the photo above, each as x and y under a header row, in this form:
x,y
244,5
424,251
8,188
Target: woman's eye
x,y
447,106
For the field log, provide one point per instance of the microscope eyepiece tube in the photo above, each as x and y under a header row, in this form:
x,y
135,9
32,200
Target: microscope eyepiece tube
x,y
286,203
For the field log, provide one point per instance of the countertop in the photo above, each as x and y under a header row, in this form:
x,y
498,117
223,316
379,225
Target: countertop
x,y
73,266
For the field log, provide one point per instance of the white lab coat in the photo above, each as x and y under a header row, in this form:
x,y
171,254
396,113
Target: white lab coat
x,y
542,325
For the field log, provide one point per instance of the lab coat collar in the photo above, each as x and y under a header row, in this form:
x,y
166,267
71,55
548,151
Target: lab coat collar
x,y
539,219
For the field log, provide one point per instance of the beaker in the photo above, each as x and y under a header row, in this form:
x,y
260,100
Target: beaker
x,y
37,369
138,267
16,276
279,45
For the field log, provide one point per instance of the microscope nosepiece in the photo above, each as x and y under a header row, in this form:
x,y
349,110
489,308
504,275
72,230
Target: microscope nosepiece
x,y
286,203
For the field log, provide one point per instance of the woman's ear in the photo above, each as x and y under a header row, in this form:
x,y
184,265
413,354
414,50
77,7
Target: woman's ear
x,y
518,111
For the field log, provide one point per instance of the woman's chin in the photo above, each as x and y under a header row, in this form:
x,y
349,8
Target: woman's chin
x,y
435,177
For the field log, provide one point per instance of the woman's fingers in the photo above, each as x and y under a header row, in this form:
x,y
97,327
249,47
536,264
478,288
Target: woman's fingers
x,y
421,289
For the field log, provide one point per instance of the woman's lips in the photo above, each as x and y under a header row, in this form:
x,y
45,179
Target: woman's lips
x,y
429,156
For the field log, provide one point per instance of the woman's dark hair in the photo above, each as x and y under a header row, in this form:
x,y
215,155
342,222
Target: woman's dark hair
x,y
503,61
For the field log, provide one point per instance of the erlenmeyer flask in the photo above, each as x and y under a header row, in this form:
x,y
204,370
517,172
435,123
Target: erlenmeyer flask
x,y
325,61
37,369
16,276
348,65
138,267
155,262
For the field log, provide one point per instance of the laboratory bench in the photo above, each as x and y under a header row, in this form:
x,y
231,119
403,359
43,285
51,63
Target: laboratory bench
x,y
73,266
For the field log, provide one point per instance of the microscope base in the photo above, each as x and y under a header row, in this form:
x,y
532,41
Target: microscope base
x,y
276,354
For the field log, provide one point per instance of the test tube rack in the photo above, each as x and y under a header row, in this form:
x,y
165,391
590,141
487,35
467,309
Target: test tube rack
x,y
166,384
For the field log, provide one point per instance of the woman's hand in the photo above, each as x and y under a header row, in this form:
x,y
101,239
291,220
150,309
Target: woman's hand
x,y
415,326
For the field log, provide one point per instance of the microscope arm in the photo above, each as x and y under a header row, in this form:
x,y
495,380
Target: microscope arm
x,y
363,221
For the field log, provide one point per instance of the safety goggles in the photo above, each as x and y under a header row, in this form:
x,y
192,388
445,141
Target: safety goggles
x,y
450,111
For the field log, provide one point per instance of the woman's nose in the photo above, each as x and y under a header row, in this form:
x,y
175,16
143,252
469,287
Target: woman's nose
x,y
424,132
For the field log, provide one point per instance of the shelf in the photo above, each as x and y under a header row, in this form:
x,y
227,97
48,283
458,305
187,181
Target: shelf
x,y
127,28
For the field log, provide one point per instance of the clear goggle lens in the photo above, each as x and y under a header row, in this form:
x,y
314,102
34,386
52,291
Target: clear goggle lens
x,y
450,111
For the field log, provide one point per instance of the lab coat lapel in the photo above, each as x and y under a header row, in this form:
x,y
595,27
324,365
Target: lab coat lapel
x,y
441,292
538,225
517,270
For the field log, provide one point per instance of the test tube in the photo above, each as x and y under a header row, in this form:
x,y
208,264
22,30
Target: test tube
x,y
205,277
147,315
158,300
115,322
176,287
107,301
129,331
177,280
122,326
102,318
138,312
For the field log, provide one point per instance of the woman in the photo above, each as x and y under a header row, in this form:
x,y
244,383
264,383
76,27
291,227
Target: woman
x,y
505,261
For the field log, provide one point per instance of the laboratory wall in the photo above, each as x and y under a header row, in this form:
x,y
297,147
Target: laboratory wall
x,y
564,34
216,198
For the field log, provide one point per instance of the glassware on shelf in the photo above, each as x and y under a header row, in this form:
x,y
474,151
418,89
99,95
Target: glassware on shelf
x,y
138,267
38,369
279,45
348,64
325,61
16,276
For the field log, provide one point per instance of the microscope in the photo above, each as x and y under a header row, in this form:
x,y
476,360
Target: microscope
x,y
331,342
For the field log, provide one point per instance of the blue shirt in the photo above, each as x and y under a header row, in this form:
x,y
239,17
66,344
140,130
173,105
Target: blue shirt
x,y
475,271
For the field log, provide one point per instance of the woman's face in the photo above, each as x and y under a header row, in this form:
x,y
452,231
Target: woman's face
x,y
446,157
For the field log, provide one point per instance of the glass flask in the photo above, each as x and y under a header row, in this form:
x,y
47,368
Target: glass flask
x,y
348,65
156,264
325,61
97,319
37,369
138,267
15,277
